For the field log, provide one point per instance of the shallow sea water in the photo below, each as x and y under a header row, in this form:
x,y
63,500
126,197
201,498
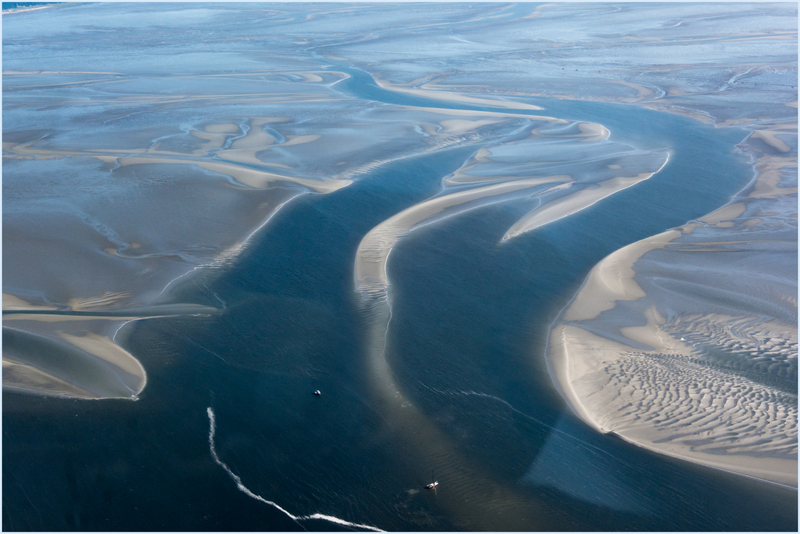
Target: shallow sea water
x,y
470,318
468,329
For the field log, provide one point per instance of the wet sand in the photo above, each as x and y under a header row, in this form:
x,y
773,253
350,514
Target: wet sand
x,y
515,167
250,169
683,343
430,89
711,377
69,357
734,267
111,259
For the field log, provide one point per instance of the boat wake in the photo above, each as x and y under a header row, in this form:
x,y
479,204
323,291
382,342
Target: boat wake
x,y
298,519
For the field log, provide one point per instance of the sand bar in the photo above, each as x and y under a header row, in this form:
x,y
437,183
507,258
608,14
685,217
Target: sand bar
x,y
711,376
431,90
69,358
374,249
572,203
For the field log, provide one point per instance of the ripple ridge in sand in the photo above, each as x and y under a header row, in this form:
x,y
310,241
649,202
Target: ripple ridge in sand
x,y
711,376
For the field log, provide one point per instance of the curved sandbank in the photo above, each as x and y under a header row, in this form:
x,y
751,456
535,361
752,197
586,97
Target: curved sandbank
x,y
685,343
69,358
120,254
573,203
595,170
241,172
124,252
428,88
473,495
510,170
374,249
78,352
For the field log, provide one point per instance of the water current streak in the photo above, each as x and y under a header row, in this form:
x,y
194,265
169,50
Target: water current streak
x,y
212,432
469,492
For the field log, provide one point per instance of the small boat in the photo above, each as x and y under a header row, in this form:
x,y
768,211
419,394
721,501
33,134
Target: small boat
x,y
317,392
432,485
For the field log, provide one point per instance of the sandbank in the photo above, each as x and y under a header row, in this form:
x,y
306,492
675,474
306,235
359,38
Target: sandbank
x,y
73,358
135,266
374,249
663,401
572,203
115,257
708,378
549,145
432,90
612,279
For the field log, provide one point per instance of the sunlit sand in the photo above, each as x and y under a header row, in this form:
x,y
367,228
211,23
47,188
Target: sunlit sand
x,y
699,383
136,182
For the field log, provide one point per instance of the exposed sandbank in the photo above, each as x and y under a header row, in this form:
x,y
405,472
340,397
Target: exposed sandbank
x,y
666,402
113,260
72,357
431,89
374,249
711,377
516,166
501,173
256,170
573,203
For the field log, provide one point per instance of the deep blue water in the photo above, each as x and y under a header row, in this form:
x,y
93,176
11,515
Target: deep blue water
x,y
469,325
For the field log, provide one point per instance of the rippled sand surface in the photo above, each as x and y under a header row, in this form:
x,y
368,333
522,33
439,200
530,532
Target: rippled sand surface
x,y
210,207
686,342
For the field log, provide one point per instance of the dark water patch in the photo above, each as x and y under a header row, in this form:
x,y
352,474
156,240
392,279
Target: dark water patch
x,y
106,467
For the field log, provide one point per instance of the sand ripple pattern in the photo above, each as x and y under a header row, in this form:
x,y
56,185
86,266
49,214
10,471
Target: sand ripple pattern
x,y
763,352
686,342
555,168
704,401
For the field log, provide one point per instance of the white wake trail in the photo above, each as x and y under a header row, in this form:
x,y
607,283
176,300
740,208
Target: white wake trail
x,y
212,432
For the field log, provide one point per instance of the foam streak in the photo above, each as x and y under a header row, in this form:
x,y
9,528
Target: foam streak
x,y
212,432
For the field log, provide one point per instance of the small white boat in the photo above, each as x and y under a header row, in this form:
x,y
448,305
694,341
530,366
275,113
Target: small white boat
x,y
317,392
432,485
